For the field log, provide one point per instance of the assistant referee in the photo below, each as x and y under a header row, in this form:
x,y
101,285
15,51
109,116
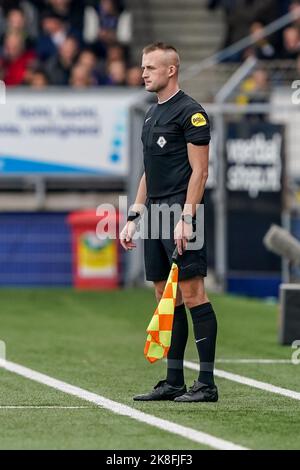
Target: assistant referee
x,y
176,136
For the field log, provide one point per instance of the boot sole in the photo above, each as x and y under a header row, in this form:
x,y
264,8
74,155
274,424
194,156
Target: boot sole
x,y
159,399
213,400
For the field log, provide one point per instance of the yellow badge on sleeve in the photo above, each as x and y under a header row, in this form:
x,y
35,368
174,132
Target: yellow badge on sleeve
x,y
198,120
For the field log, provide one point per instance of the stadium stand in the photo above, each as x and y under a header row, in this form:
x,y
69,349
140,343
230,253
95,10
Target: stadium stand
x,y
91,43
66,42
209,25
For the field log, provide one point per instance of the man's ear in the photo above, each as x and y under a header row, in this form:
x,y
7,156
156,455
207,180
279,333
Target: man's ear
x,y
172,70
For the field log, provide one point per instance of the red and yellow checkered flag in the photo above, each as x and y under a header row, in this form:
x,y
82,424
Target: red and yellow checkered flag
x,y
160,327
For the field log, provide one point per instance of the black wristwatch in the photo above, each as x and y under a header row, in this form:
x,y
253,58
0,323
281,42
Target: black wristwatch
x,y
187,218
133,216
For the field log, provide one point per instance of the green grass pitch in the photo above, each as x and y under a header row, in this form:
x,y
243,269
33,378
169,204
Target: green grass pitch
x,y
95,340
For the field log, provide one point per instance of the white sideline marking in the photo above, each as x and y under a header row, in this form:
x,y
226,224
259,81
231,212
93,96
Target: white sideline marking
x,y
42,407
254,361
118,408
247,381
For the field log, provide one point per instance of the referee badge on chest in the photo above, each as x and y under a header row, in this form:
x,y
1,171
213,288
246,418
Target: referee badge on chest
x,y
161,141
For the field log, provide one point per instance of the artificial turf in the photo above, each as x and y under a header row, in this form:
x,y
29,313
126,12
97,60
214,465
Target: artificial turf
x,y
95,340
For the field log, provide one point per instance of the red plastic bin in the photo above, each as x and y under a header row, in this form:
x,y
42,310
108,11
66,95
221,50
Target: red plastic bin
x,y
96,263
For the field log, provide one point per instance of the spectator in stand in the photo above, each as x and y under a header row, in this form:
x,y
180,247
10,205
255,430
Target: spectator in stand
x,y
30,69
116,73
81,77
261,86
15,59
255,89
115,54
16,22
73,13
115,51
263,49
241,14
134,76
58,67
39,79
29,11
291,43
54,33
108,23
89,60
54,53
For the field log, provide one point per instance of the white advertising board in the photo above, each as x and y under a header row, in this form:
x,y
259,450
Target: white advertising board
x,y
66,132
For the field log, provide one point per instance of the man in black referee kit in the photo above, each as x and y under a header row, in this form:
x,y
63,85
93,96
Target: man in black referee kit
x,y
176,137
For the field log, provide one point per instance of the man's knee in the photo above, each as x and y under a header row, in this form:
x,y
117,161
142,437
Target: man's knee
x,y
193,292
159,290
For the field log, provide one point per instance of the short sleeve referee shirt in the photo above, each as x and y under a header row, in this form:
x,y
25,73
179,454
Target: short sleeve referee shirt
x,y
168,128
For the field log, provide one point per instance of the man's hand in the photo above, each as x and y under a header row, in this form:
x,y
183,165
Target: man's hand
x,y
182,234
126,236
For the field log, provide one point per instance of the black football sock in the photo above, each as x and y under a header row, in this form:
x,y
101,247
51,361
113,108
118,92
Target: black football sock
x,y
205,330
175,374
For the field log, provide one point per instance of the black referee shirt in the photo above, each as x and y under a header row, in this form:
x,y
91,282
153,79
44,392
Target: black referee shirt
x,y
168,128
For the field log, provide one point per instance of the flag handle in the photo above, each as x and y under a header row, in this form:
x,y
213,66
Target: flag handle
x,y
175,255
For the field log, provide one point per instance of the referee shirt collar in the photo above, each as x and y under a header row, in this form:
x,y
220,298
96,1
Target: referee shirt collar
x,y
171,97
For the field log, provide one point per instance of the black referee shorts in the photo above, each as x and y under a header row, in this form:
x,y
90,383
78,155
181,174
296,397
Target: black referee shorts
x,y
158,250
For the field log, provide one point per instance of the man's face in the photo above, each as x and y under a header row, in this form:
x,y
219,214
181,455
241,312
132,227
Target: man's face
x,y
68,49
16,20
156,70
51,25
13,46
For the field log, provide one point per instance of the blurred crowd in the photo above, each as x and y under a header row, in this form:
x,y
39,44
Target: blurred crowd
x,y
80,43
248,17
85,43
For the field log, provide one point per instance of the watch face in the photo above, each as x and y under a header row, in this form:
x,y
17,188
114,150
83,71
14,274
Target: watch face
x,y
188,219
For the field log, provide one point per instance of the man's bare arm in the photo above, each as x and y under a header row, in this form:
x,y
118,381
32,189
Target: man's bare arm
x,y
129,229
141,195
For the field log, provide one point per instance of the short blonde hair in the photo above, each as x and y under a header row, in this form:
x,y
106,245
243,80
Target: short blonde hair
x,y
162,46
159,46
